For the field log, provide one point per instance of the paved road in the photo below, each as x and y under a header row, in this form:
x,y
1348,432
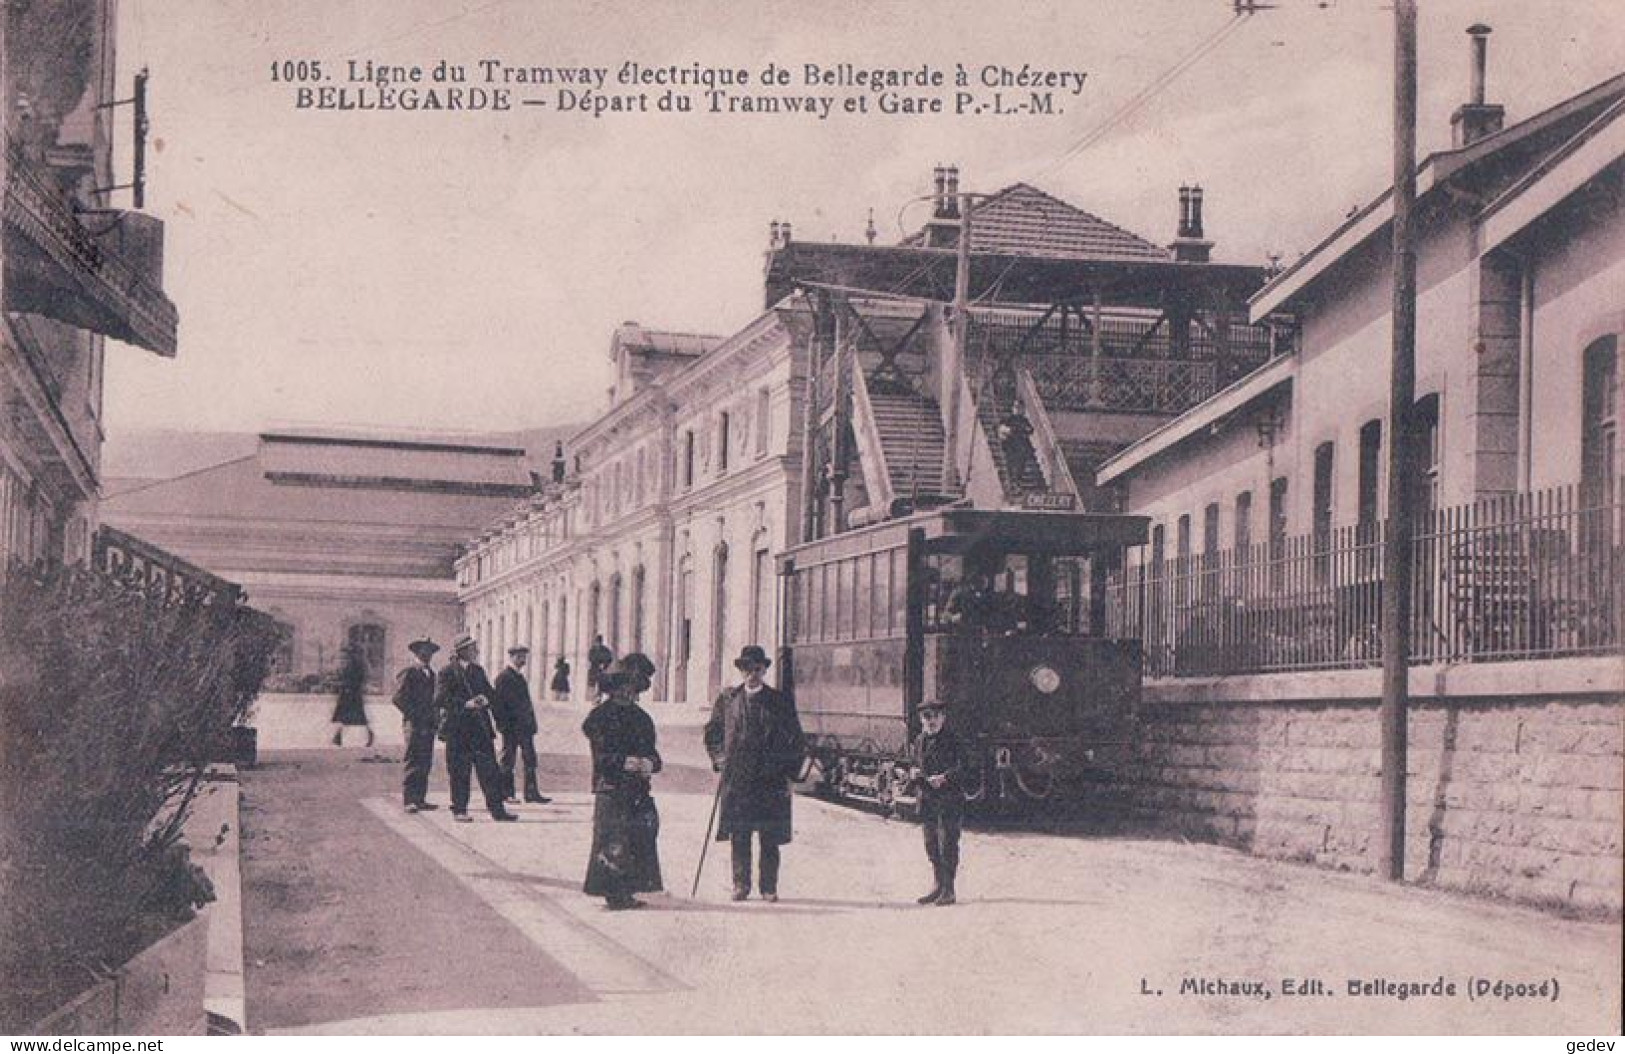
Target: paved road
x,y
361,919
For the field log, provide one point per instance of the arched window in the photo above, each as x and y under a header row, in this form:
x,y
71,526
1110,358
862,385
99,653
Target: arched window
x,y
612,628
637,608
1427,452
719,614
1599,423
761,591
368,639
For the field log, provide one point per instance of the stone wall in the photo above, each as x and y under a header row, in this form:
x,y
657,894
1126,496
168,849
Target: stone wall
x,y
1511,795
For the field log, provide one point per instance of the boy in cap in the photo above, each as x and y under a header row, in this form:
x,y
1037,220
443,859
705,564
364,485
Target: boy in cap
x,y
941,763
414,698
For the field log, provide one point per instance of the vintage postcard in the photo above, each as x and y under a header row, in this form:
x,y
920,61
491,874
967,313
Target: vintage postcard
x,y
771,517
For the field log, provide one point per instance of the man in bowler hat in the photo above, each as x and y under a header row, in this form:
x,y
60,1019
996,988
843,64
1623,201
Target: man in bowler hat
x,y
414,698
463,697
755,742
516,719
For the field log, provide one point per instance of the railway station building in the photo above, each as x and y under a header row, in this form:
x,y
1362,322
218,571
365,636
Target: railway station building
x,y
344,537
846,403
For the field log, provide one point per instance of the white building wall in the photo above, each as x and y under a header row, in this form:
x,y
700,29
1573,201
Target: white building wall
x,y
1579,296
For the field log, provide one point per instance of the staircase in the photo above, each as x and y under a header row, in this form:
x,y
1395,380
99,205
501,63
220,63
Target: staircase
x,y
910,429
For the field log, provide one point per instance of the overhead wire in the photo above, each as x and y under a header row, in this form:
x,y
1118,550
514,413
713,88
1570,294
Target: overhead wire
x,y
1132,106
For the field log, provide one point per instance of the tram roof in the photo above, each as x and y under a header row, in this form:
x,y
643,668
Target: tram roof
x,y
1033,532
963,529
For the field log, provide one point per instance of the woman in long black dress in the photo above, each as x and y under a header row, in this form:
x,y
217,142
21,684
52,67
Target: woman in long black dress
x,y
625,824
351,708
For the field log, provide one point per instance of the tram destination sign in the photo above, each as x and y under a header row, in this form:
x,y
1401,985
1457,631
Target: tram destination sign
x,y
1049,502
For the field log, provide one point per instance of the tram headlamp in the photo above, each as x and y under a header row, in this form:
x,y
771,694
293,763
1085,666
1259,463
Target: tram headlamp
x,y
1045,679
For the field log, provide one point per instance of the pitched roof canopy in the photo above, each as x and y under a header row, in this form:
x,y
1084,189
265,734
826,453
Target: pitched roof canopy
x,y
1022,220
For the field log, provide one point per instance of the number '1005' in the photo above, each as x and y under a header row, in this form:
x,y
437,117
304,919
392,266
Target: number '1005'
x,y
296,71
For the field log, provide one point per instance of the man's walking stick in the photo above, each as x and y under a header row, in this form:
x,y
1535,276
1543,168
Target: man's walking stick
x,y
716,800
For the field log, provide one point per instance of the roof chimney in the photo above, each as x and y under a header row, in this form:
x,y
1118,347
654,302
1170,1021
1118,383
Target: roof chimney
x,y
1189,246
558,462
1476,119
941,231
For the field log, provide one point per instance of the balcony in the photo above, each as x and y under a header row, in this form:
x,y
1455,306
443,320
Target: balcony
x,y
99,270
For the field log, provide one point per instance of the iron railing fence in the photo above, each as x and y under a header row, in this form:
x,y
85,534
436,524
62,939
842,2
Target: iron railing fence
x,y
1524,576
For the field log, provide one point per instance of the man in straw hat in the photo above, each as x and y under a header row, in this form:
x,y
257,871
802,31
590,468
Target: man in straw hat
x,y
463,696
755,742
414,698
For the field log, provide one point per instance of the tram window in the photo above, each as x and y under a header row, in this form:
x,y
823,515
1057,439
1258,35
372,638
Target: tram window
x,y
899,591
843,600
863,598
815,604
882,591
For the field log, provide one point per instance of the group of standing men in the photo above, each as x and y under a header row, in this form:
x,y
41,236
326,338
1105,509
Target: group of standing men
x,y
459,705
753,737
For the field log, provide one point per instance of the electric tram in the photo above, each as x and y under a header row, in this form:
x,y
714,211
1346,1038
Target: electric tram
x,y
999,614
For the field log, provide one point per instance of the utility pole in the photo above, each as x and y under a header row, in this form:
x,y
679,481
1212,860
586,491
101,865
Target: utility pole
x,y
961,337
1397,554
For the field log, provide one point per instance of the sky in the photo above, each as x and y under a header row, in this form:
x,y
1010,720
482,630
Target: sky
x,y
465,271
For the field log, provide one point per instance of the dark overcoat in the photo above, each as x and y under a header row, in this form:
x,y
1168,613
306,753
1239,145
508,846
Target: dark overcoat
x,y
625,824
757,741
351,707
454,686
511,706
414,696
942,755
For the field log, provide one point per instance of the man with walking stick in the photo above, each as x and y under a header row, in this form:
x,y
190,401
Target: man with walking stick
x,y
755,742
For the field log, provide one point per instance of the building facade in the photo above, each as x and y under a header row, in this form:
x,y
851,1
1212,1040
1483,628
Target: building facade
x,y
1258,597
660,533
344,538
76,272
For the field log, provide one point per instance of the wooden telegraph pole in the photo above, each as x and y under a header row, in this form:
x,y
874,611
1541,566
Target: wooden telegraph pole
x,y
961,338
1397,554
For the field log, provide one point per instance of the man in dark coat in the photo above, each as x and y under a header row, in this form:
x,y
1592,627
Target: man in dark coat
x,y
598,659
463,694
755,741
561,679
515,716
414,698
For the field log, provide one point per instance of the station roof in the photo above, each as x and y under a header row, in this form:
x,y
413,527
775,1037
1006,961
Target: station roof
x,y
1009,278
1022,220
